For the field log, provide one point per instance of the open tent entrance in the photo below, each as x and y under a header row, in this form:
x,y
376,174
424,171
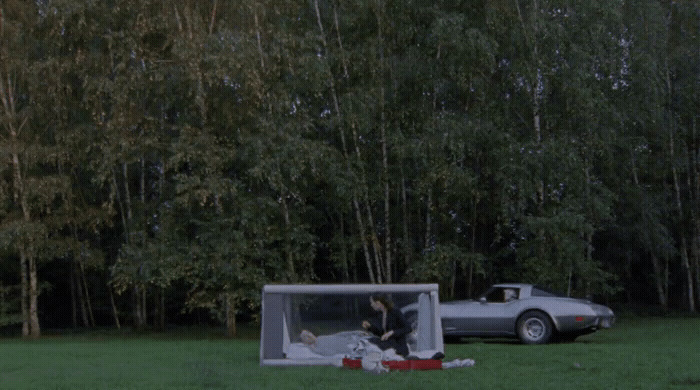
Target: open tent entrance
x,y
334,313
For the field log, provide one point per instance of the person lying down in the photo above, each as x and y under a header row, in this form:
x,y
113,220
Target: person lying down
x,y
353,343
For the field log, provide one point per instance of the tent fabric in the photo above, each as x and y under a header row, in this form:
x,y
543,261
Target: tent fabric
x,y
401,365
282,319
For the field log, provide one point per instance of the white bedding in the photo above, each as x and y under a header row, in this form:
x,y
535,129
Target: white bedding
x,y
302,351
346,345
351,344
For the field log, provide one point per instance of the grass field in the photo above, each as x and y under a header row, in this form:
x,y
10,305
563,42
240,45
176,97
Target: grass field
x,y
638,353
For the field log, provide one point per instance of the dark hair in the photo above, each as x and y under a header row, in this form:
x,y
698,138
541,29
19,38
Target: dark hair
x,y
384,300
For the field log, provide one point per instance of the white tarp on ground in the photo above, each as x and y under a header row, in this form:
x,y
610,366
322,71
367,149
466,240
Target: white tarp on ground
x,y
334,313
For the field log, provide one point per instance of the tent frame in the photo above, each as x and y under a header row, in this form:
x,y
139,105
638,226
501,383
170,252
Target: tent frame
x,y
274,333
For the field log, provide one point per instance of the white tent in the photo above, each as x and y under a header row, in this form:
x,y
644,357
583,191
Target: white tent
x,y
332,308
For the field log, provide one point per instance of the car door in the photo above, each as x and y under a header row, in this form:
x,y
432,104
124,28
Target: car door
x,y
491,315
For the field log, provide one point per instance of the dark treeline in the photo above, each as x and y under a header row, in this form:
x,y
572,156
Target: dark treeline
x,y
162,158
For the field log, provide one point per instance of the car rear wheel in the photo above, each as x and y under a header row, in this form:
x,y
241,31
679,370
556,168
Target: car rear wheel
x,y
534,327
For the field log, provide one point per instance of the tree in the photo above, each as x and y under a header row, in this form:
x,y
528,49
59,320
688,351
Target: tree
x,y
22,229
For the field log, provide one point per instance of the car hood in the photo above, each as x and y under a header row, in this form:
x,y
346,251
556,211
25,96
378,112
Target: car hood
x,y
458,305
460,302
562,299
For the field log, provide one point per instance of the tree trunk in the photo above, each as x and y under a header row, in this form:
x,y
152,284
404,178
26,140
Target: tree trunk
x,y
375,241
73,293
475,216
30,293
589,234
658,271
127,192
138,322
384,148
115,193
536,84
343,57
694,189
387,213
470,279
25,293
365,245
428,220
122,211
407,247
658,278
345,260
346,155
291,269
258,37
81,300
144,306
142,190
115,313
230,316
684,249
453,278
88,302
162,309
34,330
159,309
679,205
140,318
212,20
368,207
693,244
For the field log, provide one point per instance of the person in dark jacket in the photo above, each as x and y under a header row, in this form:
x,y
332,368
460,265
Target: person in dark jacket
x,y
390,327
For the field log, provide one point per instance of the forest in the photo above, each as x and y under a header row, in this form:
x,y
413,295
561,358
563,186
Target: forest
x,y
163,160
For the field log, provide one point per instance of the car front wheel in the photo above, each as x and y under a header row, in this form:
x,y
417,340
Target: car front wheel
x,y
534,328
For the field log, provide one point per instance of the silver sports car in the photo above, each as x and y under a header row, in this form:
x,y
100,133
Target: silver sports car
x,y
532,313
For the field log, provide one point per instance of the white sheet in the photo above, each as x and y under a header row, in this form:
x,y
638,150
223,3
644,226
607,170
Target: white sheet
x,y
352,344
357,351
301,351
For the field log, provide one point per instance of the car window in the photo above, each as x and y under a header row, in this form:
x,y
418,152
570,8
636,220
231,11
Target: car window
x,y
495,294
502,294
510,294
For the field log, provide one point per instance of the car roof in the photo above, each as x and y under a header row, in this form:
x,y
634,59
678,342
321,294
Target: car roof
x,y
513,285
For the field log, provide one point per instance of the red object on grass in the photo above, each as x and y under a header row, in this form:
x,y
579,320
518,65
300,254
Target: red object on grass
x,y
423,364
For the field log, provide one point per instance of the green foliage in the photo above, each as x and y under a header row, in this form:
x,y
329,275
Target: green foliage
x,y
225,146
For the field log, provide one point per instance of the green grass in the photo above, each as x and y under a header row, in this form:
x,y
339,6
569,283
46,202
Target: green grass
x,y
637,353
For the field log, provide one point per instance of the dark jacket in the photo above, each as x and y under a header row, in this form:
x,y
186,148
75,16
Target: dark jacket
x,y
395,321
